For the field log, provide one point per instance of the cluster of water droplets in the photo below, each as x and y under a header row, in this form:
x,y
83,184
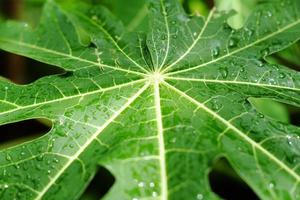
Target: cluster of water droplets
x,y
147,186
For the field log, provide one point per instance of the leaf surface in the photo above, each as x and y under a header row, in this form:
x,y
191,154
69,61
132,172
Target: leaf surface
x,y
155,109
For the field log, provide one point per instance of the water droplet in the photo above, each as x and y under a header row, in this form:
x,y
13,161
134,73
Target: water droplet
x,y
16,166
173,22
289,138
151,184
154,194
276,67
117,37
40,157
49,171
269,14
8,158
232,42
272,81
223,71
195,34
141,184
278,22
271,185
6,88
216,105
174,36
22,153
5,186
94,17
135,198
199,196
173,140
282,75
265,52
216,51
260,64
61,120
4,172
261,115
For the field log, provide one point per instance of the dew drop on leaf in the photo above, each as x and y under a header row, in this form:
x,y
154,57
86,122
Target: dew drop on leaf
x,y
151,184
232,42
4,172
265,52
272,81
8,158
215,52
278,22
94,17
141,184
199,196
260,64
40,157
16,166
154,194
61,120
223,71
173,140
269,14
282,75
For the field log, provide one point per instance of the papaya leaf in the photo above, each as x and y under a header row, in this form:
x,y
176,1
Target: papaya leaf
x,y
157,108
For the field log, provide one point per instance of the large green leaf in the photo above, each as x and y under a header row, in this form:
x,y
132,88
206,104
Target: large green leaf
x,y
157,109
